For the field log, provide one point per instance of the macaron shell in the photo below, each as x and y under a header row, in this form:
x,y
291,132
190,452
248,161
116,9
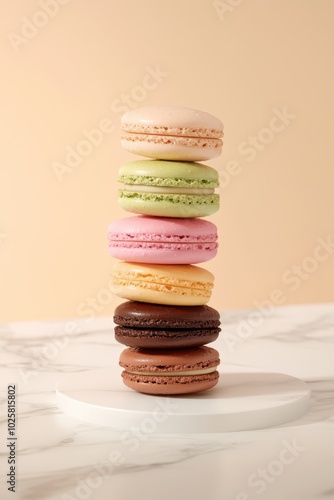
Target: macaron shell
x,y
165,339
169,174
162,229
172,149
163,254
175,297
162,284
173,120
173,205
140,315
168,386
160,361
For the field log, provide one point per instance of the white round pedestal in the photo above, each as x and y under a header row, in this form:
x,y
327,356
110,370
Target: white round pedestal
x,y
244,399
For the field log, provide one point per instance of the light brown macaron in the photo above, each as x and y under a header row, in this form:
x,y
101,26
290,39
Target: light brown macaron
x,y
168,372
172,133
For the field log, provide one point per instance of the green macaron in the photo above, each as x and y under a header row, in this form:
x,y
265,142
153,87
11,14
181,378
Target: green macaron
x,y
168,188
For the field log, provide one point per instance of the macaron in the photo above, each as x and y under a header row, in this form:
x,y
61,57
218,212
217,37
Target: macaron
x,y
183,285
172,133
162,240
168,189
153,326
161,372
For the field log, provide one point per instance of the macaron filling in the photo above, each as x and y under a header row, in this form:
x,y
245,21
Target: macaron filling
x,y
163,238
164,245
185,141
167,190
203,371
174,131
146,180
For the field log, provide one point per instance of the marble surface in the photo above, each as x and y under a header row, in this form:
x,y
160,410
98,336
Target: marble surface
x,y
59,457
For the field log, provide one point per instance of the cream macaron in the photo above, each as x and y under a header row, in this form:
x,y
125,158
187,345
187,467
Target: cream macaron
x,y
172,133
183,285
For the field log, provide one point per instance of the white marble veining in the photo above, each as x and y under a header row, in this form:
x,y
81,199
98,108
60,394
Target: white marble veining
x,y
62,458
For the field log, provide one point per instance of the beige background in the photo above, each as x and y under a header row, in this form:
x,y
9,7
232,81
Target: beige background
x,y
244,61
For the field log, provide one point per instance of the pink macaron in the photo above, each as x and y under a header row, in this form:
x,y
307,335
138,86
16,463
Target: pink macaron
x,y
162,240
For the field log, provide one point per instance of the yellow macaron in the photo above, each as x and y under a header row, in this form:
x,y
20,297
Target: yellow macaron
x,y
183,285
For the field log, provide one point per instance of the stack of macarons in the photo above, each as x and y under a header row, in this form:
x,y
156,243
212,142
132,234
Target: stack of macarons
x,y
165,322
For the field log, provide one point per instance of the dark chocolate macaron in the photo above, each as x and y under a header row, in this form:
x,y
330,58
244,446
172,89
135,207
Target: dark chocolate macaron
x,y
153,326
